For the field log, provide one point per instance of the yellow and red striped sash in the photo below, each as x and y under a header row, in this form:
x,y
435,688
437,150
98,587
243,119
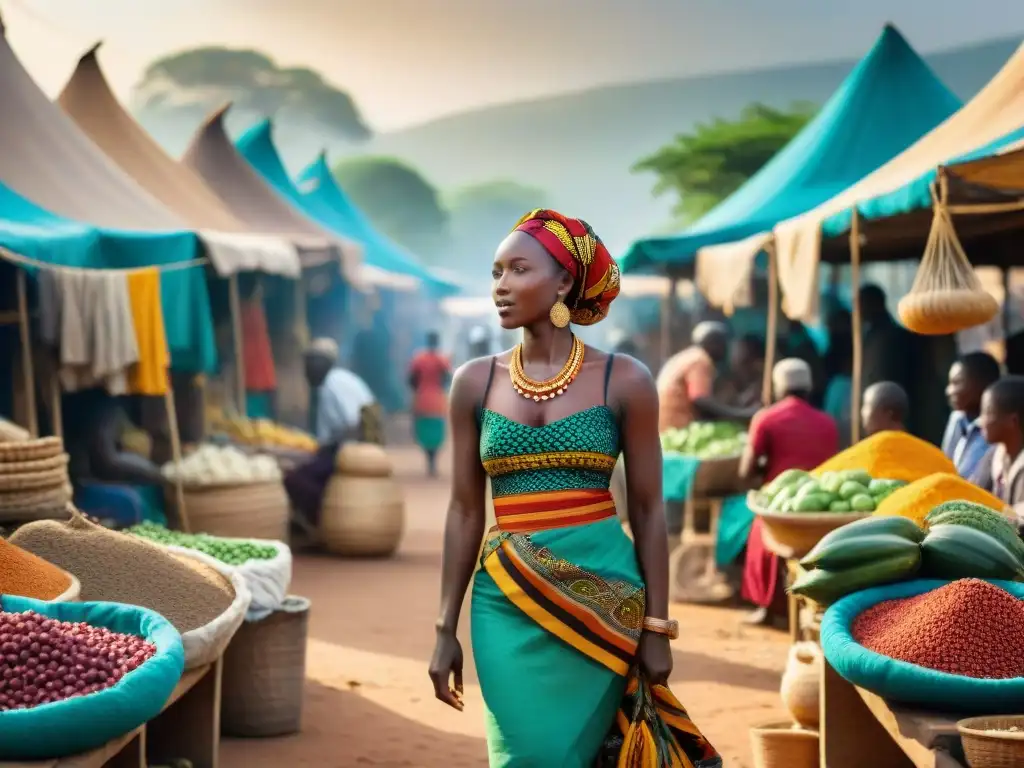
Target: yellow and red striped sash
x,y
530,512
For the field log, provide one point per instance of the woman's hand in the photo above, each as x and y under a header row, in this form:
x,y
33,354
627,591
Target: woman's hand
x,y
655,657
446,669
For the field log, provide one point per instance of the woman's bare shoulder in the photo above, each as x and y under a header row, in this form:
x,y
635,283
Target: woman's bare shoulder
x,y
469,382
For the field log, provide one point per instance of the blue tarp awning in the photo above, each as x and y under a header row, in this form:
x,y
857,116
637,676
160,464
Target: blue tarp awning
x,y
889,100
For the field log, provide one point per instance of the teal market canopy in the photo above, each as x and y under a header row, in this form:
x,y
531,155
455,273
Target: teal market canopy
x,y
328,199
889,100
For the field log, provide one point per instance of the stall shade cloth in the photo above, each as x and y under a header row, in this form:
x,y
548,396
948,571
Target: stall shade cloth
x,y
334,208
995,112
250,199
889,100
89,101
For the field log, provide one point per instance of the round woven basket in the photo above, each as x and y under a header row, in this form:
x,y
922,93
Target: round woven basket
x,y
248,511
781,745
989,741
264,672
794,534
31,450
363,460
60,461
26,506
362,516
936,313
46,480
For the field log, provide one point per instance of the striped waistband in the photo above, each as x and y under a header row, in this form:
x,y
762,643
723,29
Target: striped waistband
x,y
530,512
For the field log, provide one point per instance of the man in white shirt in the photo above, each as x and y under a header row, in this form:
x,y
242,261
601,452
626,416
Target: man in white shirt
x,y
339,398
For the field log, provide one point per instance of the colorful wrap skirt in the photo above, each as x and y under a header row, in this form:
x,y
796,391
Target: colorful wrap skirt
x,y
557,612
429,432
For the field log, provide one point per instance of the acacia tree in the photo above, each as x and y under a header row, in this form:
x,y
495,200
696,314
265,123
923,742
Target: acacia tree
x,y
705,166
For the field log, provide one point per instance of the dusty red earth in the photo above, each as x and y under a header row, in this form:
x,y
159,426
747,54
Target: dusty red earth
x,y
368,700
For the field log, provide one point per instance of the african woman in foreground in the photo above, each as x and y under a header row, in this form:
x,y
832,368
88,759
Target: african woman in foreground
x,y
569,615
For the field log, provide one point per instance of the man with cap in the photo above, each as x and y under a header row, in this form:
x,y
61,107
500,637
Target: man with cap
x,y
790,434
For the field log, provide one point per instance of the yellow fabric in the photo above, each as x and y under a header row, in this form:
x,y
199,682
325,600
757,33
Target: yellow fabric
x,y
149,375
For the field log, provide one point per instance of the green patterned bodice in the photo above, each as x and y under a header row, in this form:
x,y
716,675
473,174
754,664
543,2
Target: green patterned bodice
x,y
578,451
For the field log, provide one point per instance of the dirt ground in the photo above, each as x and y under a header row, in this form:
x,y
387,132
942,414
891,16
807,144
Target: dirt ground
x,y
368,700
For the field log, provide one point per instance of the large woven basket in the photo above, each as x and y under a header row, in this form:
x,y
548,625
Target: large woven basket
x,y
28,506
794,534
362,516
31,450
264,673
989,743
781,745
245,511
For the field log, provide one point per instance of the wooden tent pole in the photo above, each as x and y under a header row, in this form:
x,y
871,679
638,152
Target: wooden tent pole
x,y
772,332
858,338
236,327
667,316
172,423
26,355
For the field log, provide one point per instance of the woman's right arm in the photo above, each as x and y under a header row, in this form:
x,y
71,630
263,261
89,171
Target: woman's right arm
x,y
464,526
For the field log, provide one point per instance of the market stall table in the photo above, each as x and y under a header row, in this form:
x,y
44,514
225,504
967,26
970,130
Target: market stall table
x,y
188,728
859,728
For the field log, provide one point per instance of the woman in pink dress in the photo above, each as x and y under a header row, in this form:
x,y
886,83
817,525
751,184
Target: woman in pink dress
x,y
429,375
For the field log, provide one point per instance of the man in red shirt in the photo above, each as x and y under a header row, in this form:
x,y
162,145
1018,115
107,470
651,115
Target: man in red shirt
x,y
790,434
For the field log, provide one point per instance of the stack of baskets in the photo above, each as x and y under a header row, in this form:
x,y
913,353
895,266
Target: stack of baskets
x,y
34,482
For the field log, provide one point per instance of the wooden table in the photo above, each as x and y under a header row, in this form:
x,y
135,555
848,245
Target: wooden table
x,y
188,727
859,728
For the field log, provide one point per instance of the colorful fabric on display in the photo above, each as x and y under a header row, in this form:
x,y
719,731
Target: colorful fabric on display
x,y
149,375
573,244
260,375
734,524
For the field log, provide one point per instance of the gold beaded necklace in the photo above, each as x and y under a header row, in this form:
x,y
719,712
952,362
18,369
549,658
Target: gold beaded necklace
x,y
545,390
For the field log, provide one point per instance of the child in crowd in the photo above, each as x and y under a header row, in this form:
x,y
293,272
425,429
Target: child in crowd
x,y
1001,469
969,377
884,409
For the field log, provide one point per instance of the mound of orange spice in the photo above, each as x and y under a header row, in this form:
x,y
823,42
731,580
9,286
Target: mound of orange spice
x,y
963,628
890,456
28,575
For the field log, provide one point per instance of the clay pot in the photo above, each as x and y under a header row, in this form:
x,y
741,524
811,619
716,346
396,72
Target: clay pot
x,y
801,684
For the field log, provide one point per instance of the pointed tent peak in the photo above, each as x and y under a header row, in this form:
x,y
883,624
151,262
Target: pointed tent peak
x,y
216,117
3,27
91,55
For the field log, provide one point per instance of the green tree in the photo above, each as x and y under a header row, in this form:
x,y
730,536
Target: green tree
x,y
399,201
707,165
186,86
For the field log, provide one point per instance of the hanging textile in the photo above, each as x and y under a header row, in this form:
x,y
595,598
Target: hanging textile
x,y
260,375
149,375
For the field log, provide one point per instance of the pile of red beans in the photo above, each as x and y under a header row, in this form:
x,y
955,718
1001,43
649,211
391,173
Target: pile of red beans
x,y
43,660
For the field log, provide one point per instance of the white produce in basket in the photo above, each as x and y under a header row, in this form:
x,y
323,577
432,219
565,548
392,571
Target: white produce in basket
x,y
267,581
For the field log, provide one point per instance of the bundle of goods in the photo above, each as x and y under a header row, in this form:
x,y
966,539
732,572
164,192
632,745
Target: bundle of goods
x,y
943,645
228,493
916,500
363,511
893,455
706,440
262,433
34,482
266,566
26,575
204,604
850,490
963,540
73,676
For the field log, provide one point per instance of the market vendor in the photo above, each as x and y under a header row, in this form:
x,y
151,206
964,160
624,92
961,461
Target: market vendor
x,y
885,408
1001,470
790,434
429,376
742,389
687,379
964,442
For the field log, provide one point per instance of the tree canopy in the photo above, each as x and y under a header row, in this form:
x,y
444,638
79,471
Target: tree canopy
x,y
705,166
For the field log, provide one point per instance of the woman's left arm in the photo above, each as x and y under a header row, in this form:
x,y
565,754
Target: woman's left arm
x,y
637,398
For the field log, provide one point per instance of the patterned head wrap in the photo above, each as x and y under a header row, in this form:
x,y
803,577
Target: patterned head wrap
x,y
574,245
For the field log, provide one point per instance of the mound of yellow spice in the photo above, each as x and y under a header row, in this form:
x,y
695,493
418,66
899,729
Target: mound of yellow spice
x,y
891,456
916,500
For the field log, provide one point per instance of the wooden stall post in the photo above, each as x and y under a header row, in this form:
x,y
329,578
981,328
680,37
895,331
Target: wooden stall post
x,y
771,335
667,318
26,355
172,423
235,300
858,337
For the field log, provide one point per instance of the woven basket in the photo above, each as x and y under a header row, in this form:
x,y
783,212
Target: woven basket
x,y
60,461
363,460
46,480
264,673
781,745
794,534
362,516
31,450
248,511
988,742
24,507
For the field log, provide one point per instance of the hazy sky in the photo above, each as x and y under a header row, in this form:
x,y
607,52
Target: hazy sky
x,y
406,61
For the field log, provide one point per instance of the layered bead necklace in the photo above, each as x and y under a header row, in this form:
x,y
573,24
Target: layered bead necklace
x,y
545,390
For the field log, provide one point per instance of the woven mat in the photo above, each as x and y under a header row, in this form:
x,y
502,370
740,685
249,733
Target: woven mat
x,y
31,450
58,496
31,467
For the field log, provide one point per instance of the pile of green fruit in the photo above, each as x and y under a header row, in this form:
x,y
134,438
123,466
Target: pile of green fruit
x,y
706,440
852,490
228,551
963,540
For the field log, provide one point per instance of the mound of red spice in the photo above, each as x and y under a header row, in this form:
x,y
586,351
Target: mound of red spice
x,y
963,628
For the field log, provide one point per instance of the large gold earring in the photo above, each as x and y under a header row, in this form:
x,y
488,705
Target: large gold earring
x,y
559,314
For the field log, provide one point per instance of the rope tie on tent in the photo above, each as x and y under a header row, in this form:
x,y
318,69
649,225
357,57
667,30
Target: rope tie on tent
x,y
24,261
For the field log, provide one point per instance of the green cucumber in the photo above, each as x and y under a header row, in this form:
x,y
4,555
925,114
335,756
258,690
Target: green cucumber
x,y
877,524
825,587
861,550
980,518
960,552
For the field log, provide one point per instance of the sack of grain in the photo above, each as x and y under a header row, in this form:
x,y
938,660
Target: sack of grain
x,y
82,723
118,568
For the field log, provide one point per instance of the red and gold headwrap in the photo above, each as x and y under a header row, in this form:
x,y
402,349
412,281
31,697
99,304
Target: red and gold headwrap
x,y
574,245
